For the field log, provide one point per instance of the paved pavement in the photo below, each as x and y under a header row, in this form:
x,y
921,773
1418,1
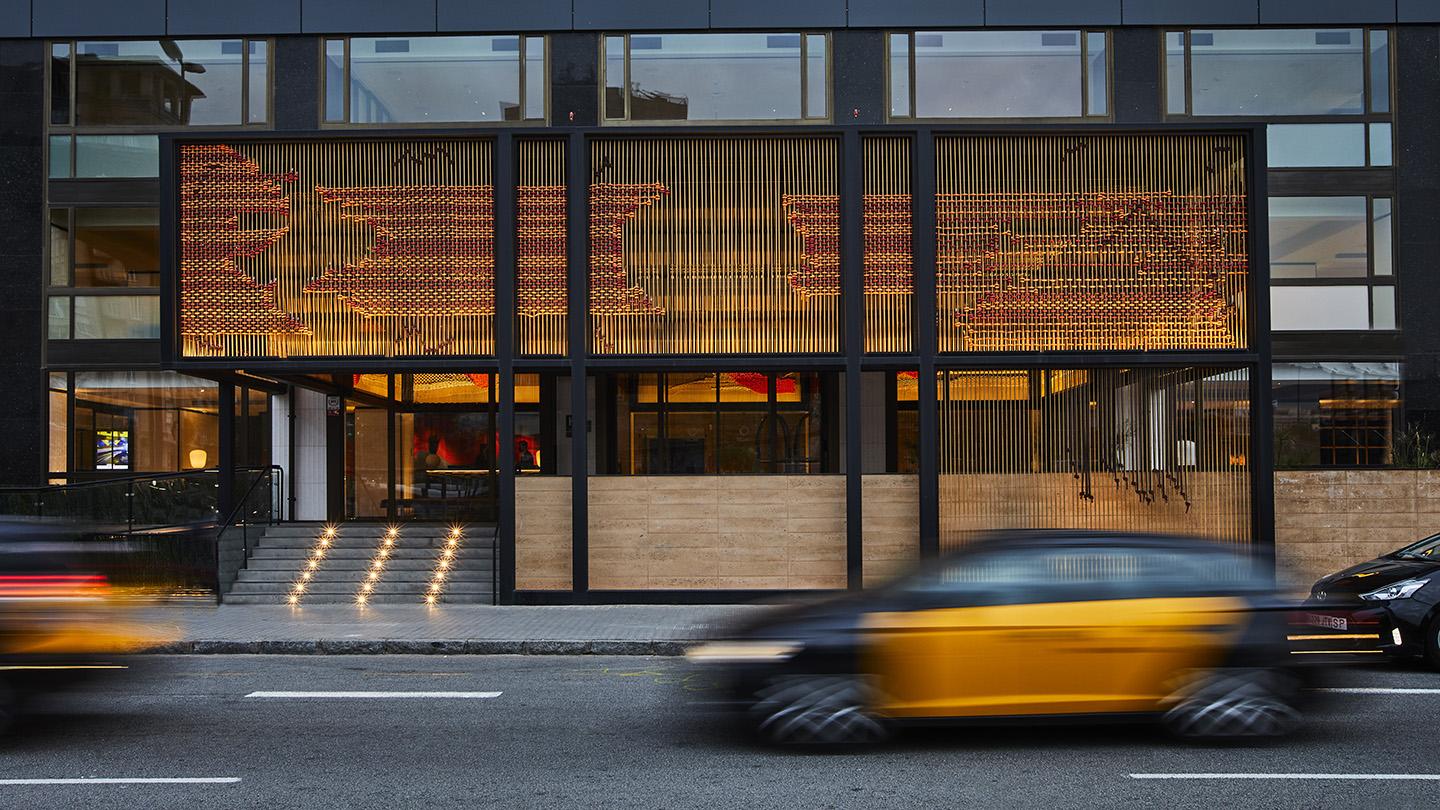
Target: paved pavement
x,y
601,732
445,629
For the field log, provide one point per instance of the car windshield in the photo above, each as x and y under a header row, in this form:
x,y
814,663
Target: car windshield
x,y
1427,549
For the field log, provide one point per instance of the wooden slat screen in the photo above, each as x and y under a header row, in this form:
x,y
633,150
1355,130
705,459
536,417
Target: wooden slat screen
x,y
1145,450
700,246
541,280
889,273
379,247
1105,241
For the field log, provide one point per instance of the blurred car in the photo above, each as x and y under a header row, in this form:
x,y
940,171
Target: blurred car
x,y
60,622
1390,605
1038,626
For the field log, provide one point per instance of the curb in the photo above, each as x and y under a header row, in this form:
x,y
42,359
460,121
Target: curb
x,y
438,647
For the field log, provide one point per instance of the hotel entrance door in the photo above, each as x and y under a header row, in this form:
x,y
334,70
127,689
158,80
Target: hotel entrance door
x,y
424,449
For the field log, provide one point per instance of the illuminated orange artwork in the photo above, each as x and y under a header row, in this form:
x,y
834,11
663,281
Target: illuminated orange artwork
x,y
888,261
611,206
434,251
217,186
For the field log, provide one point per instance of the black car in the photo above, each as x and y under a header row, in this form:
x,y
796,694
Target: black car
x,y
1387,605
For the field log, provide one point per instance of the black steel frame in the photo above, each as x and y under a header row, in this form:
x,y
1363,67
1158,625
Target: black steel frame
x,y
1255,359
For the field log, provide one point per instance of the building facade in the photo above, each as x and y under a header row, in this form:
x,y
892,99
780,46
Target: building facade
x,y
706,299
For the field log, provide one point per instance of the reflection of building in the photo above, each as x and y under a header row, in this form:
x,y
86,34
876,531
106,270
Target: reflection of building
x,y
149,91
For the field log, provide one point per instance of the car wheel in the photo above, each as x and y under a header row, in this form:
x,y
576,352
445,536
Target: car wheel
x,y
1432,643
1235,704
816,710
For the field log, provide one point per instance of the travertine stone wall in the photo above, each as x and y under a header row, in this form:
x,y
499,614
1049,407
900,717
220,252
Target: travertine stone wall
x,y
542,532
890,515
1326,520
717,532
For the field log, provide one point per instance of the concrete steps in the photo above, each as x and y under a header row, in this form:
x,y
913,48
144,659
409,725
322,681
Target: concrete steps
x,y
283,553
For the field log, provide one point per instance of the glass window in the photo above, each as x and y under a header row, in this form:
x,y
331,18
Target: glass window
x,y
1097,73
167,83
615,77
1380,148
1331,413
1315,145
1275,71
334,80
59,247
1317,237
58,318
435,79
117,317
61,161
117,156
900,76
719,77
60,83
726,423
1382,307
1003,74
1175,72
117,247
258,106
1382,245
1380,71
1329,308
144,421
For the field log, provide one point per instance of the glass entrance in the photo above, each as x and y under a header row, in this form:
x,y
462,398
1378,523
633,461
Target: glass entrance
x,y
421,447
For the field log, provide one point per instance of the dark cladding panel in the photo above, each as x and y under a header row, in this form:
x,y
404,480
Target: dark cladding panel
x,y
1417,228
859,67
1189,12
1052,12
1417,11
502,15
253,18
99,18
574,92
641,15
367,16
14,18
769,14
916,13
1325,12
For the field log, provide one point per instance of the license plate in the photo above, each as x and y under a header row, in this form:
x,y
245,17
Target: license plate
x,y
1330,622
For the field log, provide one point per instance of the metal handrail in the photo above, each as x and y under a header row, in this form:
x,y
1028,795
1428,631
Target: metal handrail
x,y
269,476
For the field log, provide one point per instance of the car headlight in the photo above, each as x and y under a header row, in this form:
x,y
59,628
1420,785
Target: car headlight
x,y
1403,589
743,652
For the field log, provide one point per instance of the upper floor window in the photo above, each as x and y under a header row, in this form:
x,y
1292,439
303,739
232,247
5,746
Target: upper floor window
x,y
434,80
999,74
162,83
1332,263
104,274
1326,72
716,77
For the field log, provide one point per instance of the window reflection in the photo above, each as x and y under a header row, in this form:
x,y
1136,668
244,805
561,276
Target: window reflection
x,y
168,82
435,79
117,247
726,423
1335,413
1302,71
1317,237
1004,74
717,77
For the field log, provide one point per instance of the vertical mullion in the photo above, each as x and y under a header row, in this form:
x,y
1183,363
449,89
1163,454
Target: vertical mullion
x,y
244,81
577,324
923,248
1084,74
852,297
503,178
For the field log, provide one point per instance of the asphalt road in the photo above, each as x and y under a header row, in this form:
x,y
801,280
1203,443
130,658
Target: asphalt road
x,y
614,732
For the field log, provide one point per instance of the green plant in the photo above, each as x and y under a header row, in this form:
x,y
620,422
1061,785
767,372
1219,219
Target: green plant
x,y
1416,447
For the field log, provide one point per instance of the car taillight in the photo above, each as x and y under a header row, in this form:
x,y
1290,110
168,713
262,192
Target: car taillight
x,y
52,586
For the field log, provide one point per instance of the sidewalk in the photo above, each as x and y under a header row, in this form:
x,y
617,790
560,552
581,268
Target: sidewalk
x,y
444,630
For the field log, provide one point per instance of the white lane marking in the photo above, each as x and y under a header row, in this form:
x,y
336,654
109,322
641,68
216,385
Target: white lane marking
x,y
377,695
128,780
1421,777
1377,690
